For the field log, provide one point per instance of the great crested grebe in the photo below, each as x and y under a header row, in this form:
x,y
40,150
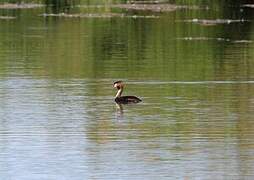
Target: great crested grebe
x,y
124,99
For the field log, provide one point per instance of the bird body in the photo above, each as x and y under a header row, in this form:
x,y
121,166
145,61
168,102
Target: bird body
x,y
127,99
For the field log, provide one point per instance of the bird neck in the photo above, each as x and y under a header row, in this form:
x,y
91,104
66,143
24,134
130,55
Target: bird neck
x,y
119,92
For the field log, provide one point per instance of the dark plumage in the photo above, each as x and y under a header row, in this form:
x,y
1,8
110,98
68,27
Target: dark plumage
x,y
127,100
118,82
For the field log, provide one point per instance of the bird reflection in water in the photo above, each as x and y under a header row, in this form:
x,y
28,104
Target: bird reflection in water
x,y
119,111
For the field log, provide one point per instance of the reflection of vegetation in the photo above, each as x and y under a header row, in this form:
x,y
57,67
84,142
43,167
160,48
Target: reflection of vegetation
x,y
144,49
202,113
148,48
130,48
56,6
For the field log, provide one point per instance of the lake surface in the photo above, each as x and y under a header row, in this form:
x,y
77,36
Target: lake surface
x,y
58,119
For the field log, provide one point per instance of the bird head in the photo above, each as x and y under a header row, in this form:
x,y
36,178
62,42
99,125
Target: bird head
x,y
118,84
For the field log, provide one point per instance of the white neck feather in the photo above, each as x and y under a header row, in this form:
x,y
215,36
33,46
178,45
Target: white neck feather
x,y
119,92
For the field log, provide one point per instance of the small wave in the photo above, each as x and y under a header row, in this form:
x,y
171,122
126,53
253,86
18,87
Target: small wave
x,y
242,41
213,22
153,7
33,36
20,6
97,15
202,39
248,5
7,17
190,82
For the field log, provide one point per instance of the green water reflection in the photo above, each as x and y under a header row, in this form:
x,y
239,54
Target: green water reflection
x,y
196,82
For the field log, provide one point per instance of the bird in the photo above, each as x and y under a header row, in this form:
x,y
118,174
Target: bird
x,y
124,99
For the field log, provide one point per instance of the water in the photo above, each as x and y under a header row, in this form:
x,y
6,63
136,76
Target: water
x,y
58,119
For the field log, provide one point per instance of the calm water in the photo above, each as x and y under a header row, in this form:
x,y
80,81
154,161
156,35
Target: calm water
x,y
58,119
